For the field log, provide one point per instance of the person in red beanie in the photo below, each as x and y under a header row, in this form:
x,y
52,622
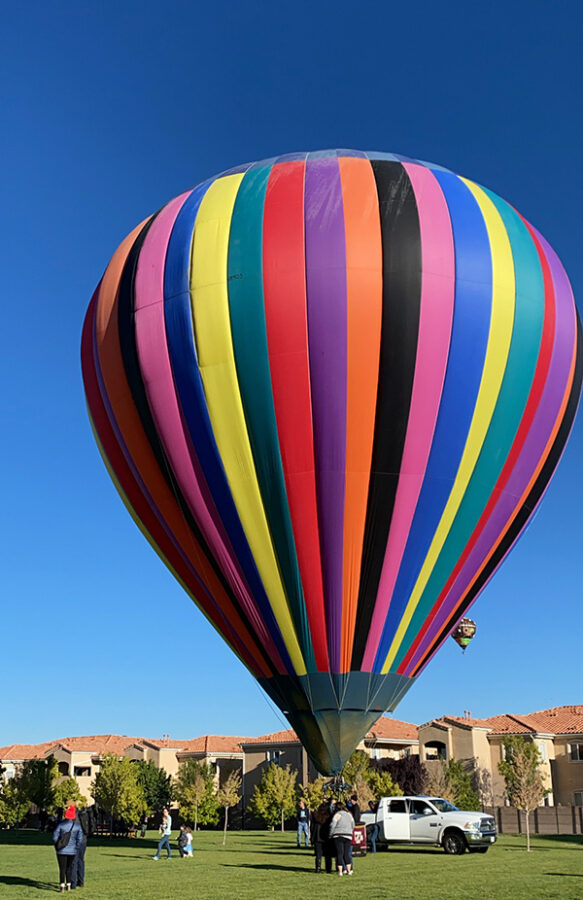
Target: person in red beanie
x,y
67,838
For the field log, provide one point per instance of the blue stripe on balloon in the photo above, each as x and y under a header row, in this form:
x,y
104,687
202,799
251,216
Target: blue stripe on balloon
x,y
190,390
469,339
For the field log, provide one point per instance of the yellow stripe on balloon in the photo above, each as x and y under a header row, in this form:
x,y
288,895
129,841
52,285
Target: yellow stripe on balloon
x,y
216,359
501,323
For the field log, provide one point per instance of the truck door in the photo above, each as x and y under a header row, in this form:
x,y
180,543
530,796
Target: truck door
x,y
424,822
396,821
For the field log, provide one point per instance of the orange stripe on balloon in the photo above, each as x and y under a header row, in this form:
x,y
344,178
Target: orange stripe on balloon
x,y
364,283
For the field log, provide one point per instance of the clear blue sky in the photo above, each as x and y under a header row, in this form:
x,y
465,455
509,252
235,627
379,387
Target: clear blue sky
x,y
111,109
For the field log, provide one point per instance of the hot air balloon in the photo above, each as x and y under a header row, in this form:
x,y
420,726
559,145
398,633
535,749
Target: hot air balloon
x,y
464,632
331,389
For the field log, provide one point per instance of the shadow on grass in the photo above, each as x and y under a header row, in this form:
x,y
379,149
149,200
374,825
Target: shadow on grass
x,y
564,874
268,867
16,881
561,838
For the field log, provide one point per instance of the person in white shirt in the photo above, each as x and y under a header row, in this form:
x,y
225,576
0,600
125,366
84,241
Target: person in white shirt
x,y
166,831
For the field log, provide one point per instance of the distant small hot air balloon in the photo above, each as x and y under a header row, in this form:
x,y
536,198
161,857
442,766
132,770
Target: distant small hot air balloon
x,y
331,389
464,632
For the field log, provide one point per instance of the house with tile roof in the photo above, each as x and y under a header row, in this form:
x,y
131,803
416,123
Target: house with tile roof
x,y
557,732
80,757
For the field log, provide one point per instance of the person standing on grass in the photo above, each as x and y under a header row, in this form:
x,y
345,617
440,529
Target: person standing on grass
x,y
320,833
166,831
303,823
182,841
373,807
188,848
67,838
85,818
341,830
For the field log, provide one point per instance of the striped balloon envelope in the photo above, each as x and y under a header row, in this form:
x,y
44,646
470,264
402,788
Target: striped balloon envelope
x,y
331,389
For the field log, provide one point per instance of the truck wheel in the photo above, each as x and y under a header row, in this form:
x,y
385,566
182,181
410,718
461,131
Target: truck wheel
x,y
454,843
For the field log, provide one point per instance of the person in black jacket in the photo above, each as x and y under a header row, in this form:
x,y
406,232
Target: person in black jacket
x,y
86,819
321,837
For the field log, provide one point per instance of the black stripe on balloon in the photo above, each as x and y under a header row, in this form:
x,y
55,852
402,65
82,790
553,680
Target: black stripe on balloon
x,y
129,351
401,242
531,501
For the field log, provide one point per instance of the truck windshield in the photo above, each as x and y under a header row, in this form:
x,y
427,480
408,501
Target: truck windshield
x,y
444,805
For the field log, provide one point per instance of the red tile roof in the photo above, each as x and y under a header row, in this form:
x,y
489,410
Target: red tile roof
x,y
277,737
98,743
557,720
26,751
214,743
393,729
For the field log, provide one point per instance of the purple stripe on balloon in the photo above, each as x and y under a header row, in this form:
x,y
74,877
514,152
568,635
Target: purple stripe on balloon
x,y
327,343
556,385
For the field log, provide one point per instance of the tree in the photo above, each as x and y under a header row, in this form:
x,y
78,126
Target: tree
x,y
438,784
381,784
14,805
452,781
274,798
156,785
358,764
116,789
524,781
195,791
36,781
229,795
312,793
482,784
66,792
408,772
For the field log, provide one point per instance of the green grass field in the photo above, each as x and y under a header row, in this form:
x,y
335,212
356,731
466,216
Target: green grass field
x,y
262,865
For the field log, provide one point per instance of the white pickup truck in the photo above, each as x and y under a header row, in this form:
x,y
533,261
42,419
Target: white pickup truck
x,y
430,820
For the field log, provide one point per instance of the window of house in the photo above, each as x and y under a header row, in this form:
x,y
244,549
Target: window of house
x,y
81,771
542,749
9,772
578,798
435,750
274,756
576,752
63,768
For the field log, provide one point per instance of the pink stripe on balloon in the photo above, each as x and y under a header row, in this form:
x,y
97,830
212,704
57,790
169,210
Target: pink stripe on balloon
x,y
435,321
156,372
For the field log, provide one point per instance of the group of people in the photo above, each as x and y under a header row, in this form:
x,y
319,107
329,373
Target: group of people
x,y
184,838
330,829
70,839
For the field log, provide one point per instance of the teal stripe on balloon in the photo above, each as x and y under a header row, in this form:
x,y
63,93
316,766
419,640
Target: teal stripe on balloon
x,y
246,306
512,399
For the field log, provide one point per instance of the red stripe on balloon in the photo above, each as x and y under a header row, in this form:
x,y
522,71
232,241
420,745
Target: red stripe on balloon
x,y
284,286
